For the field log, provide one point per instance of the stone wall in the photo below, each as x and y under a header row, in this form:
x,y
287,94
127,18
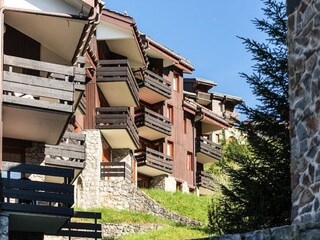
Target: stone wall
x,y
93,192
304,97
117,230
4,228
87,192
309,231
122,194
110,230
164,182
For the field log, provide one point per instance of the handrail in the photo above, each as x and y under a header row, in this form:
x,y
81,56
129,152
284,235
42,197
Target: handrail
x,y
27,195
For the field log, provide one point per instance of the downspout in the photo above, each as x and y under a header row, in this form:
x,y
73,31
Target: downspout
x,y
87,33
1,80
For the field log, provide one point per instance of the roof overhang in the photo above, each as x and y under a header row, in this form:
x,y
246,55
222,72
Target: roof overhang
x,y
122,36
60,33
169,57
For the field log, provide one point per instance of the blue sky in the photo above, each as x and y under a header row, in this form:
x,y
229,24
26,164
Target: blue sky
x,y
204,32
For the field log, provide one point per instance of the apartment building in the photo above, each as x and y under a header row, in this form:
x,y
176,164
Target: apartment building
x,y
88,99
42,81
150,130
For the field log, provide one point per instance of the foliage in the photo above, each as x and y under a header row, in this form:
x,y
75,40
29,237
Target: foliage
x,y
187,205
258,194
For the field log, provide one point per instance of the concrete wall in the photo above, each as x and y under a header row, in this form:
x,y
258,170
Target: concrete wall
x,y
304,85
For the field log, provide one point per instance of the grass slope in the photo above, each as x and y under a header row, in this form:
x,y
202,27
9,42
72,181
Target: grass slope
x,y
188,205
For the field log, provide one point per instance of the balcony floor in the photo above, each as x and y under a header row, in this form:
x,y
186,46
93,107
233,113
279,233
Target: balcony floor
x,y
150,134
33,124
118,94
150,171
148,95
118,138
203,158
205,191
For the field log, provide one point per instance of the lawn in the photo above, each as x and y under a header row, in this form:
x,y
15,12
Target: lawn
x,y
188,205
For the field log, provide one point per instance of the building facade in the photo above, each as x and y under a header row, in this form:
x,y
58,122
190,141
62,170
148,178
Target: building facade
x,y
87,100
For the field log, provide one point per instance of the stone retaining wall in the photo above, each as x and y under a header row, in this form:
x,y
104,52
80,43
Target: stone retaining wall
x,y
309,231
304,99
122,194
110,230
4,228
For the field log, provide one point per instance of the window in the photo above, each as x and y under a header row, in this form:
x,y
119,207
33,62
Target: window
x,y
175,82
170,151
170,113
185,125
189,161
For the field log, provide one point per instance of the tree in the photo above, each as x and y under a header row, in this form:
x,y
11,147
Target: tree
x,y
259,195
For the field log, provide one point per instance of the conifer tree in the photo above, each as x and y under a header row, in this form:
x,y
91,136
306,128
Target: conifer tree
x,y
259,194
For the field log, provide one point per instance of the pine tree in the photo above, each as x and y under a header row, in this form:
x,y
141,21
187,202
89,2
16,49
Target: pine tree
x,y
259,194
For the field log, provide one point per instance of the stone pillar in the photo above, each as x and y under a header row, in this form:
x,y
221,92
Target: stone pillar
x,y
4,227
164,182
304,98
87,186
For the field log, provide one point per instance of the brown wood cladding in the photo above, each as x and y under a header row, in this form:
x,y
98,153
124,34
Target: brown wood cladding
x,y
183,143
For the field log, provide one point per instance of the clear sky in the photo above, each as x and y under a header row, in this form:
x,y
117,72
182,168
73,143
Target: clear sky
x,y
203,31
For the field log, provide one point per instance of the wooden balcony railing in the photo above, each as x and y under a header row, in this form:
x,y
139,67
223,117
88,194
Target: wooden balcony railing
x,y
69,153
205,180
156,83
38,197
39,84
155,159
82,225
117,118
116,169
151,119
118,70
209,148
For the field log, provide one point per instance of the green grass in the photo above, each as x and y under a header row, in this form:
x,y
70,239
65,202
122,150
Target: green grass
x,y
188,205
172,233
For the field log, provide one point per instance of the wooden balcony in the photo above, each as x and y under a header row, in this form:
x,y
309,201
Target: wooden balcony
x,y
117,127
115,79
70,153
116,170
154,88
34,204
203,98
38,98
207,151
152,125
82,225
153,163
204,183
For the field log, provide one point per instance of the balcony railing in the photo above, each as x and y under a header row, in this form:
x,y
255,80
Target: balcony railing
x,y
116,169
37,197
38,98
115,72
69,153
157,84
39,84
210,149
117,118
153,159
203,98
82,225
147,118
205,180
